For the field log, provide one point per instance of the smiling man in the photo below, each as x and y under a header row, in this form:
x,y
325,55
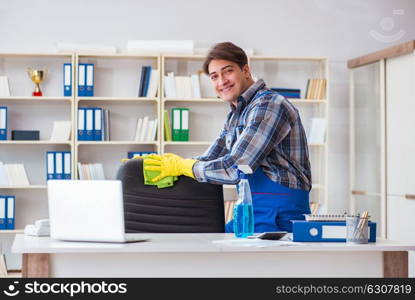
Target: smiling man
x,y
264,131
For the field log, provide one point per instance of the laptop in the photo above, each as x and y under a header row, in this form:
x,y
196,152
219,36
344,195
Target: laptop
x,y
87,210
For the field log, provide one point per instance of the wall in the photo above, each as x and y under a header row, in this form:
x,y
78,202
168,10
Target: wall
x,y
339,29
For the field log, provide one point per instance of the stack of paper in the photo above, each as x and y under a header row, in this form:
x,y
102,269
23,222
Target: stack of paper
x,y
13,175
4,86
61,131
146,130
91,171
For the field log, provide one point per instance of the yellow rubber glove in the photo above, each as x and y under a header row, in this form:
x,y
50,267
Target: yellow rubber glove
x,y
169,164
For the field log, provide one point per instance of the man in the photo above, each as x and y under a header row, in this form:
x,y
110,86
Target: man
x,y
264,131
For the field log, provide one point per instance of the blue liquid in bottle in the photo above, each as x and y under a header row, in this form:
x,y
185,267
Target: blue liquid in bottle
x,y
243,220
243,212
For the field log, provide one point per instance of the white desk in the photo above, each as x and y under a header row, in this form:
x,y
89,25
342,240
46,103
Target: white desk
x,y
195,255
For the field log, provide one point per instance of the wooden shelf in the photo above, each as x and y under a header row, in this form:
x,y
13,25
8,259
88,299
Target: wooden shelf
x,y
195,100
264,57
117,99
185,56
23,187
188,143
35,143
11,231
36,54
120,55
115,143
30,98
308,101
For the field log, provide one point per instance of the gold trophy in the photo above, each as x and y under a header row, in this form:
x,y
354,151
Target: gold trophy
x,y
37,77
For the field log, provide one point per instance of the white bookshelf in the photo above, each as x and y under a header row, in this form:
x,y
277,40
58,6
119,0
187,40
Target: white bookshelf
x,y
293,72
116,84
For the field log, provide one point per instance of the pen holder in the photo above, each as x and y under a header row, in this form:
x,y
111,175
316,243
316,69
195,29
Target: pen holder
x,y
356,230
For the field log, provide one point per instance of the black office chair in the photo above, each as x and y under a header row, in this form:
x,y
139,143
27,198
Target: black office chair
x,y
188,206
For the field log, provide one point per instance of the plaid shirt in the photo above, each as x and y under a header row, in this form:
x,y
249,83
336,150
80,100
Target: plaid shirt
x,y
264,131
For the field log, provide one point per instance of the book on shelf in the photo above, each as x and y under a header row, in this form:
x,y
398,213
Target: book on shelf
x,y
180,121
58,165
67,79
167,127
93,124
316,88
61,131
93,171
288,93
4,86
182,87
7,212
133,154
3,123
146,130
13,175
149,79
317,131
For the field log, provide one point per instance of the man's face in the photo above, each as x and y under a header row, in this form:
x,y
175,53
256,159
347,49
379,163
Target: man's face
x,y
228,79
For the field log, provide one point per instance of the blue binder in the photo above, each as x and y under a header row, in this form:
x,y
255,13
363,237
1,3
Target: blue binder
x,y
58,165
3,123
10,212
67,80
147,80
89,80
89,124
98,124
81,80
315,231
50,165
67,165
3,212
81,124
133,154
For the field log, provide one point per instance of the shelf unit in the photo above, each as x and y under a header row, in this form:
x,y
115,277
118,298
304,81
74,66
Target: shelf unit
x,y
116,85
24,113
293,72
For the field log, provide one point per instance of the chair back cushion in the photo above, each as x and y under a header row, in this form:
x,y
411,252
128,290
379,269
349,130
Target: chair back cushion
x,y
188,206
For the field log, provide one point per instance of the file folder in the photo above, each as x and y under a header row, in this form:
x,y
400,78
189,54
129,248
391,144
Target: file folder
x,y
67,165
320,231
50,165
3,210
67,80
58,165
89,80
147,80
184,126
3,123
81,124
98,124
89,124
81,80
10,212
176,114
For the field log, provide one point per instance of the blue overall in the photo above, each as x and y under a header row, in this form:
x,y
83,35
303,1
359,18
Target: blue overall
x,y
274,204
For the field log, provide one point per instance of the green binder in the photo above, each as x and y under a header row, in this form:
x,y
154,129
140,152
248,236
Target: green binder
x,y
184,126
176,124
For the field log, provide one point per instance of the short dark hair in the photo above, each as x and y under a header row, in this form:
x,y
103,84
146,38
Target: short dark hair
x,y
225,51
